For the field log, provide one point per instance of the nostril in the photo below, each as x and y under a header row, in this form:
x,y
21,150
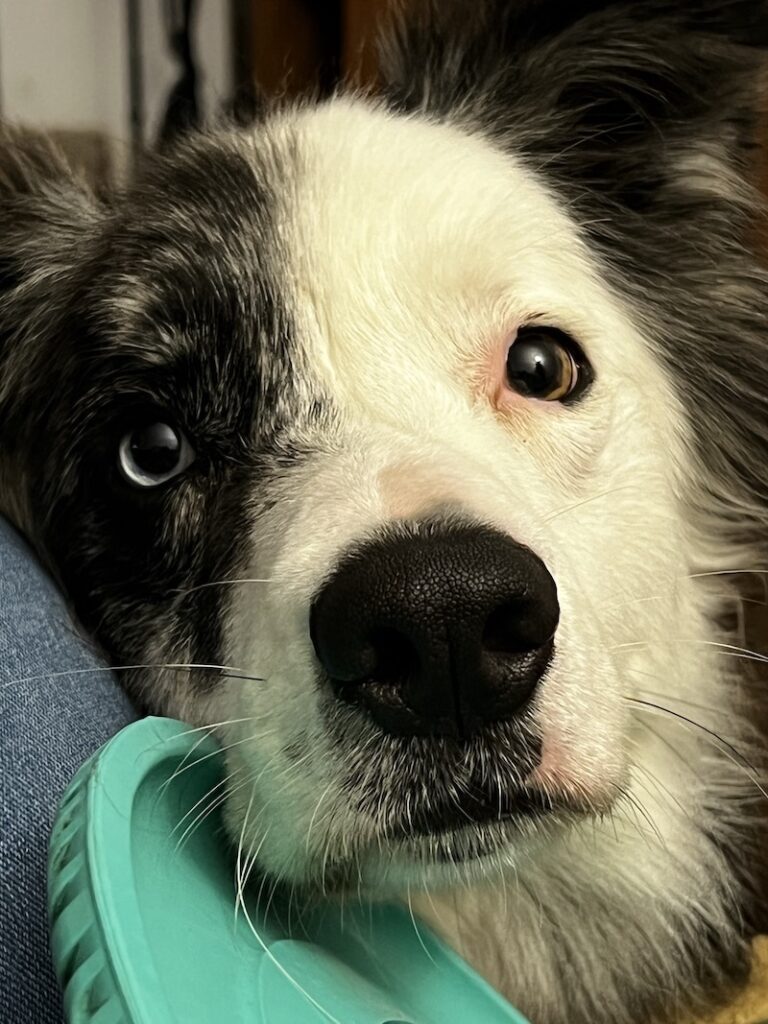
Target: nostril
x,y
395,657
509,629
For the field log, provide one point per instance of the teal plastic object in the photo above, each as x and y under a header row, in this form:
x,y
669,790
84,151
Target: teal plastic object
x,y
143,928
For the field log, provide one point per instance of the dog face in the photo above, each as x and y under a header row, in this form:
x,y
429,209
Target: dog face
x,y
271,393
392,440
419,439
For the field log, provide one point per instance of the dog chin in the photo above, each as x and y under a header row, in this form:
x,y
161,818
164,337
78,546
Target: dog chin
x,y
451,855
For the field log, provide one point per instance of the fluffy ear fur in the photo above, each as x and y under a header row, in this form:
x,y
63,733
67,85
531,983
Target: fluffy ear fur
x,y
43,206
599,89
642,115
47,217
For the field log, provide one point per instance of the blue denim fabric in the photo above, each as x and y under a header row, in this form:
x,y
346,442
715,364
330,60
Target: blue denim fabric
x,y
49,725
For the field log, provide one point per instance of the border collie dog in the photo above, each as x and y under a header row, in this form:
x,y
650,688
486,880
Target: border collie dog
x,y
417,444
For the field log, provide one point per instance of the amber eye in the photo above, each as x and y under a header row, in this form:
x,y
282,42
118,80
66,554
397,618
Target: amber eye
x,y
546,363
154,453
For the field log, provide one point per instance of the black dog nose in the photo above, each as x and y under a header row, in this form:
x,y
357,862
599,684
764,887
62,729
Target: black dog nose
x,y
437,629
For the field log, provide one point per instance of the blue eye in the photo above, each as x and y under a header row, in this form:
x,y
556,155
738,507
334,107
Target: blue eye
x,y
546,363
151,454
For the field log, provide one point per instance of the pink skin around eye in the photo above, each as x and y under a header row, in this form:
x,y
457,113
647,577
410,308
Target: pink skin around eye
x,y
490,373
500,392
501,395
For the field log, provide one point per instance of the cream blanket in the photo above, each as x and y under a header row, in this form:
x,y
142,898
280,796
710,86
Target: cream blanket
x,y
752,1005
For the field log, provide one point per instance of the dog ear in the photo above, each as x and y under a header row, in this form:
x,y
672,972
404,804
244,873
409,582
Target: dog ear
x,y
601,94
47,216
44,208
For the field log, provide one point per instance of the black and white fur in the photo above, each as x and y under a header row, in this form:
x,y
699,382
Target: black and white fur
x,y
317,300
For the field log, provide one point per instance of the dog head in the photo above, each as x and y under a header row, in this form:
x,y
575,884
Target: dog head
x,y
388,435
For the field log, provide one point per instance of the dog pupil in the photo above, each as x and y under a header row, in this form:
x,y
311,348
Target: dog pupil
x,y
534,366
155,448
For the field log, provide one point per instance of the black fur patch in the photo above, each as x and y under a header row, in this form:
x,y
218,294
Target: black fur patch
x,y
167,304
